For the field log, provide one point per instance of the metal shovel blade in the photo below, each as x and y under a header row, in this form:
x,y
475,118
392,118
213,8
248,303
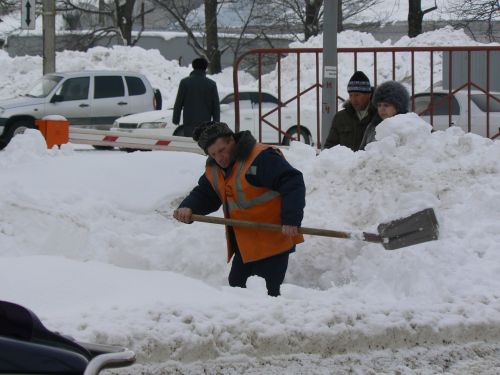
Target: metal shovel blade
x,y
420,227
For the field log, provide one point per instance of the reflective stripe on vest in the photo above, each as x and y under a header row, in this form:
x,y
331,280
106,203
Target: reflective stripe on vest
x,y
242,200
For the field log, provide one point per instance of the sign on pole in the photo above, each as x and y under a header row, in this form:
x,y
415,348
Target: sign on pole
x,y
28,14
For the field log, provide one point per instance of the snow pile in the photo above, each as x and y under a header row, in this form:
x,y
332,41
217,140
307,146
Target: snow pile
x,y
25,149
87,241
105,266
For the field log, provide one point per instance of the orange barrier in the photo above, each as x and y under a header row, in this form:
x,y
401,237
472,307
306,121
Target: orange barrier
x,y
55,132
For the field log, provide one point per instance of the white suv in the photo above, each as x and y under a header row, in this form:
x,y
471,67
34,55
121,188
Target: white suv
x,y
90,99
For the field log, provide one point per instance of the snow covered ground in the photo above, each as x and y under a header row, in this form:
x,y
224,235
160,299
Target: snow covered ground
x,y
82,245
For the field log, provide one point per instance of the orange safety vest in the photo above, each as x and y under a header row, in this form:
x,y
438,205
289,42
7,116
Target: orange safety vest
x,y
244,201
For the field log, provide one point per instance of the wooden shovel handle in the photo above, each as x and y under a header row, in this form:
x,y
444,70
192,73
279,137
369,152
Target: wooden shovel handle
x,y
370,237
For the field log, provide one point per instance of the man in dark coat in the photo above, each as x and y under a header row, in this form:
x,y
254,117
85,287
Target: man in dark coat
x,y
252,182
349,124
197,98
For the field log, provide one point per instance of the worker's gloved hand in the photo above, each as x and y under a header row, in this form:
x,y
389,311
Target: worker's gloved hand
x,y
183,214
290,230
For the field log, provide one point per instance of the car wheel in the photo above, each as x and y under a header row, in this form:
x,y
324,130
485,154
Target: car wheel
x,y
18,127
3,143
158,101
126,149
179,132
103,148
293,134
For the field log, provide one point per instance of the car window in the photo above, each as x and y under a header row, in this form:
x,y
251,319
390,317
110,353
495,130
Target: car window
x,y
266,98
228,99
135,86
481,101
75,89
44,86
108,87
441,105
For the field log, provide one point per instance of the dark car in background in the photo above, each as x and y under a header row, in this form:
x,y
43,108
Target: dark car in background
x,y
446,110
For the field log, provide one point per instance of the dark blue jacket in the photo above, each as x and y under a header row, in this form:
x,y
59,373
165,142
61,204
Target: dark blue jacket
x,y
273,172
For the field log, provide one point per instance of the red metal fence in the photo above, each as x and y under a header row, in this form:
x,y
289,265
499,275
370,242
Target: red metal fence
x,y
419,68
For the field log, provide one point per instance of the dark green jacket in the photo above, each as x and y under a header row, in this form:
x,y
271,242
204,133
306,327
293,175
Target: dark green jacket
x,y
347,130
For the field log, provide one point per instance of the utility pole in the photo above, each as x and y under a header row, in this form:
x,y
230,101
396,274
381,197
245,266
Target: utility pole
x,y
49,36
329,93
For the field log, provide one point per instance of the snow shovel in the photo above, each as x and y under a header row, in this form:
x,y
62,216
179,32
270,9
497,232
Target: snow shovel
x,y
419,227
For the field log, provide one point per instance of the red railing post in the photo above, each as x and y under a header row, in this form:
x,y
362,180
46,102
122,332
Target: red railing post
x,y
264,117
488,91
279,96
450,85
432,86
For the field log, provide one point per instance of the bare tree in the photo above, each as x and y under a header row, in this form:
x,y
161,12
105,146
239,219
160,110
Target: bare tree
x,y
313,13
351,8
113,18
7,6
124,14
303,14
306,16
207,44
213,52
253,32
469,11
416,16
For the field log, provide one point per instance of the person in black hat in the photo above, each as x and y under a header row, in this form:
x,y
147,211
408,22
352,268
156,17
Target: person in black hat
x,y
197,98
390,98
349,124
252,182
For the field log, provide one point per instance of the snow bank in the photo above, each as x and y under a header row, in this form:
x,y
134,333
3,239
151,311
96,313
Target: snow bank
x,y
83,245
101,264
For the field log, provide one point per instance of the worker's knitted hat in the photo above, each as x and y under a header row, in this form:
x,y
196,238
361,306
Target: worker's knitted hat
x,y
359,82
199,64
207,133
394,93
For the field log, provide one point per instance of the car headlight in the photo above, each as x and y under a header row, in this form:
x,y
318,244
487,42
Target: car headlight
x,y
152,125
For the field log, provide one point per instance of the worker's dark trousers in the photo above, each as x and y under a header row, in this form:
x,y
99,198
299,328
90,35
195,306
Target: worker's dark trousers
x,y
272,269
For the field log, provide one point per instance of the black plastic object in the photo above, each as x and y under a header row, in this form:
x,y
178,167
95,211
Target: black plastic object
x,y
420,227
25,342
25,357
21,323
